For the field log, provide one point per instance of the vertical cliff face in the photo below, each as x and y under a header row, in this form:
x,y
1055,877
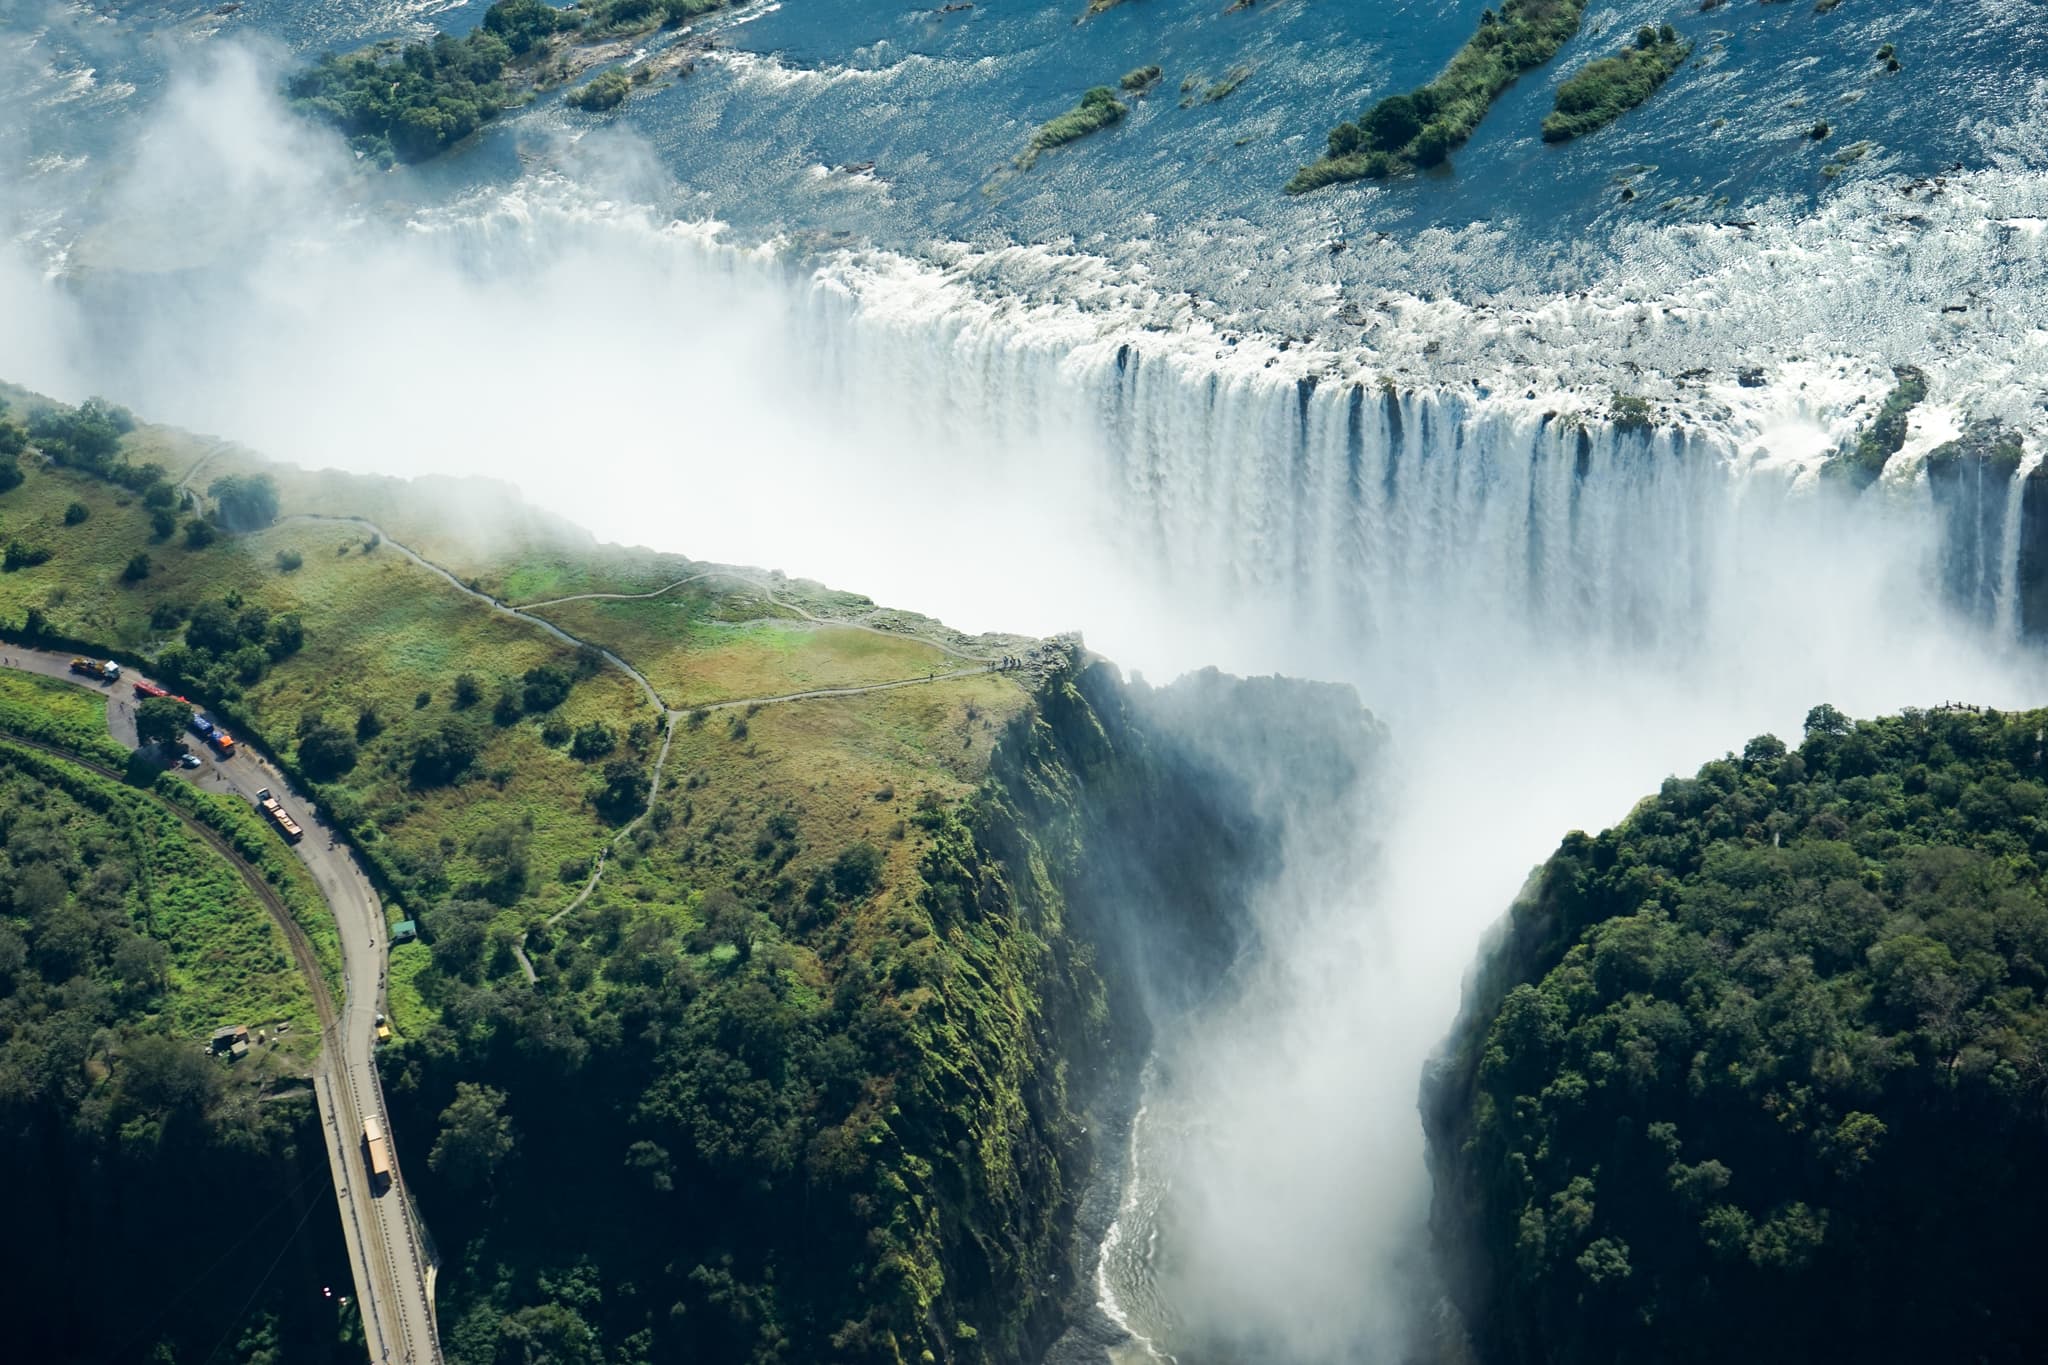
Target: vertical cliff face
x,y
1994,522
1103,872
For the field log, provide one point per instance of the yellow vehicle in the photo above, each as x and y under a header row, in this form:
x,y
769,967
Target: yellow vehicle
x,y
379,1149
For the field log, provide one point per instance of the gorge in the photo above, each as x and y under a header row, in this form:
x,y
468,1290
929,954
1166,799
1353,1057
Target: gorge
x,y
1535,461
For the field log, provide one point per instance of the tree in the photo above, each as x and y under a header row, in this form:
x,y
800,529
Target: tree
x,y
247,502
160,720
546,687
369,724
856,871
468,691
1433,144
76,513
325,749
624,792
198,534
444,754
283,637
137,569
593,741
501,854
476,1137
1392,124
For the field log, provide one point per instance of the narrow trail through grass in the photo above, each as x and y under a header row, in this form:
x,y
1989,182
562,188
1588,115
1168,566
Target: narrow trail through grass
x,y
671,715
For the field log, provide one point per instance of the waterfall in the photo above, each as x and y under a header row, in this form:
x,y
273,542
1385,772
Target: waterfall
x,y
1359,513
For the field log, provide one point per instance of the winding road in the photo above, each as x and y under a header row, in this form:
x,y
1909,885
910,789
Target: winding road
x,y
391,1265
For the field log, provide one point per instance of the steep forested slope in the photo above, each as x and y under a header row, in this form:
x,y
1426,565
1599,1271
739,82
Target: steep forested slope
x,y
848,1122
1759,1074
160,1206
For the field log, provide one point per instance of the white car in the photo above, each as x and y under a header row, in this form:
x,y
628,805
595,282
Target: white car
x,y
188,760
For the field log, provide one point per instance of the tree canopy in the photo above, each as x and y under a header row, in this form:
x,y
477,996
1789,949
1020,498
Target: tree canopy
x,y
1760,1073
247,502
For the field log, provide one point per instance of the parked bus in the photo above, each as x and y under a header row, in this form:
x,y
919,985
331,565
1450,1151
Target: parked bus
x,y
379,1149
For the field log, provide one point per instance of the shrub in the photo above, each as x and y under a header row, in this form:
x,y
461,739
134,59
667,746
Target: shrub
x,y
290,561
20,556
1141,79
162,525
857,871
1608,87
608,91
593,741
623,793
1098,109
468,691
138,569
325,749
246,501
77,512
198,534
1631,412
444,754
544,688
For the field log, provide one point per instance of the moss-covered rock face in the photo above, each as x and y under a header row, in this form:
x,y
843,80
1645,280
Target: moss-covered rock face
x,y
1759,1074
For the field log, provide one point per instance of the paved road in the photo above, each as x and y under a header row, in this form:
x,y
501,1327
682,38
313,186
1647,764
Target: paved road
x,y
394,1279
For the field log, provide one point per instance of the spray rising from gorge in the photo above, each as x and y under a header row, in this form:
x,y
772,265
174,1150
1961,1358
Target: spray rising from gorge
x,y
1550,611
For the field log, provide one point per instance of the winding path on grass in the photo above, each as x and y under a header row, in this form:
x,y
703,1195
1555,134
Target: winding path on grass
x,y
670,715
392,1269
767,589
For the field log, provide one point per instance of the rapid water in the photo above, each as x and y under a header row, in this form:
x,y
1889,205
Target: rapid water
x,y
1142,396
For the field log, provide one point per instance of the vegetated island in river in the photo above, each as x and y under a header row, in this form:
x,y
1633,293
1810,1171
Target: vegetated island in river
x,y
1759,1074
411,102
771,999
1419,129
1603,90
1098,109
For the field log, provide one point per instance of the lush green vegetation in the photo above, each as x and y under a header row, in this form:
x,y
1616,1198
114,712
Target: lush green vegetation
x,y
1603,90
815,1065
289,658
1098,109
136,1159
812,1060
409,102
1140,80
1419,129
607,91
1759,1074
1885,436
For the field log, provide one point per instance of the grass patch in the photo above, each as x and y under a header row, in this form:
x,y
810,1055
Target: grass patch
x,y
379,631
223,961
1605,89
1419,129
693,658
406,1009
58,713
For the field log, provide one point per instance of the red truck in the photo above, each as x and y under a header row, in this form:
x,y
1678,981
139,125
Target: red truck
x,y
145,690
